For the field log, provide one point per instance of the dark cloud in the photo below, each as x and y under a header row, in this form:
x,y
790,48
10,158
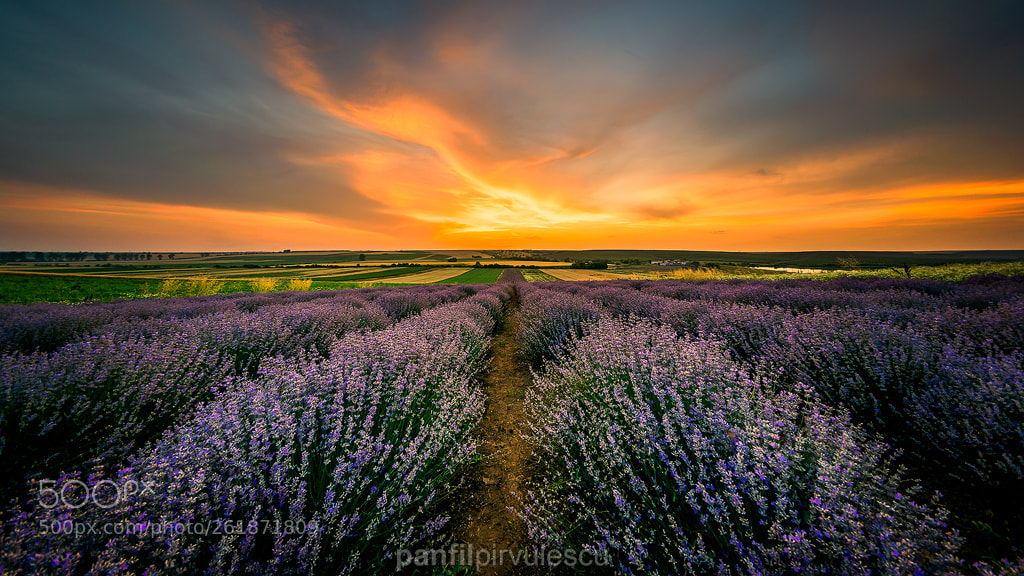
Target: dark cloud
x,y
178,102
138,103
859,74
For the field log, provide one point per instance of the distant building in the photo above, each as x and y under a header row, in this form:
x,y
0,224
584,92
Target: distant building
x,y
669,262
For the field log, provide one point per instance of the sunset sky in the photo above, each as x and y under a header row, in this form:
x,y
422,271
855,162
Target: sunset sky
x,y
237,125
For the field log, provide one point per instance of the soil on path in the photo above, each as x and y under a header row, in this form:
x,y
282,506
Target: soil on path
x,y
481,515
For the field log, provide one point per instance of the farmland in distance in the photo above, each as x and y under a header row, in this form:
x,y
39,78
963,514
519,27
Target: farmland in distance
x,y
816,408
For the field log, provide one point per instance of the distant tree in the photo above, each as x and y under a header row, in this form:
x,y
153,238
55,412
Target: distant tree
x,y
849,262
590,264
159,256
171,256
905,271
453,259
362,257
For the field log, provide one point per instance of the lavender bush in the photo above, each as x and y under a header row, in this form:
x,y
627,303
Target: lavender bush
x,y
324,466
876,347
47,327
672,459
934,367
548,319
96,401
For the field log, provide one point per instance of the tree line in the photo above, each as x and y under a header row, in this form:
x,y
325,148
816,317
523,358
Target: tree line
x,y
6,257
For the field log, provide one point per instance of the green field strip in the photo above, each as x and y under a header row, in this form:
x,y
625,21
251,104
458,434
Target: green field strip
x,y
282,274
390,273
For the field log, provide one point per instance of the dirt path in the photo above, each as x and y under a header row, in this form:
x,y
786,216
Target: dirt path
x,y
481,517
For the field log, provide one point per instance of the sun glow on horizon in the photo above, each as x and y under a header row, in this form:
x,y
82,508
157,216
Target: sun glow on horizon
x,y
525,126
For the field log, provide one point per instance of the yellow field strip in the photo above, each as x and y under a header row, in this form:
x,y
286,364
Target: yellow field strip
x,y
569,274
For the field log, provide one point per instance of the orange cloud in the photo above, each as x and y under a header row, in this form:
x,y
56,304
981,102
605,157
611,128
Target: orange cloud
x,y
458,182
406,117
492,195
117,224
477,125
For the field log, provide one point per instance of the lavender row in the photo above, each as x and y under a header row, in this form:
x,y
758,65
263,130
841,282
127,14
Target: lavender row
x,y
47,327
945,384
348,454
95,401
903,373
986,312
976,293
669,457
548,319
952,399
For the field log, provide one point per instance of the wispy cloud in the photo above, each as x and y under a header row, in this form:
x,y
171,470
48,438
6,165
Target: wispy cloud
x,y
323,124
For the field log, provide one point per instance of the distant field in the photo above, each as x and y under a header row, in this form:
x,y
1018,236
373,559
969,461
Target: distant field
x,y
28,288
32,284
431,276
295,273
816,259
112,270
514,263
382,273
475,276
538,276
319,257
568,274
157,260
544,258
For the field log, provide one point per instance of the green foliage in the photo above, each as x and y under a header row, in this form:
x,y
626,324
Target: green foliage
x,y
848,262
28,288
590,264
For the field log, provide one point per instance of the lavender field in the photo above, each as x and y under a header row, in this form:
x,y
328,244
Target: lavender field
x,y
277,434
849,427
856,426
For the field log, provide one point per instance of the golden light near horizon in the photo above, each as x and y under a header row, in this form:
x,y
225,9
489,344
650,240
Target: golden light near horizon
x,y
514,125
